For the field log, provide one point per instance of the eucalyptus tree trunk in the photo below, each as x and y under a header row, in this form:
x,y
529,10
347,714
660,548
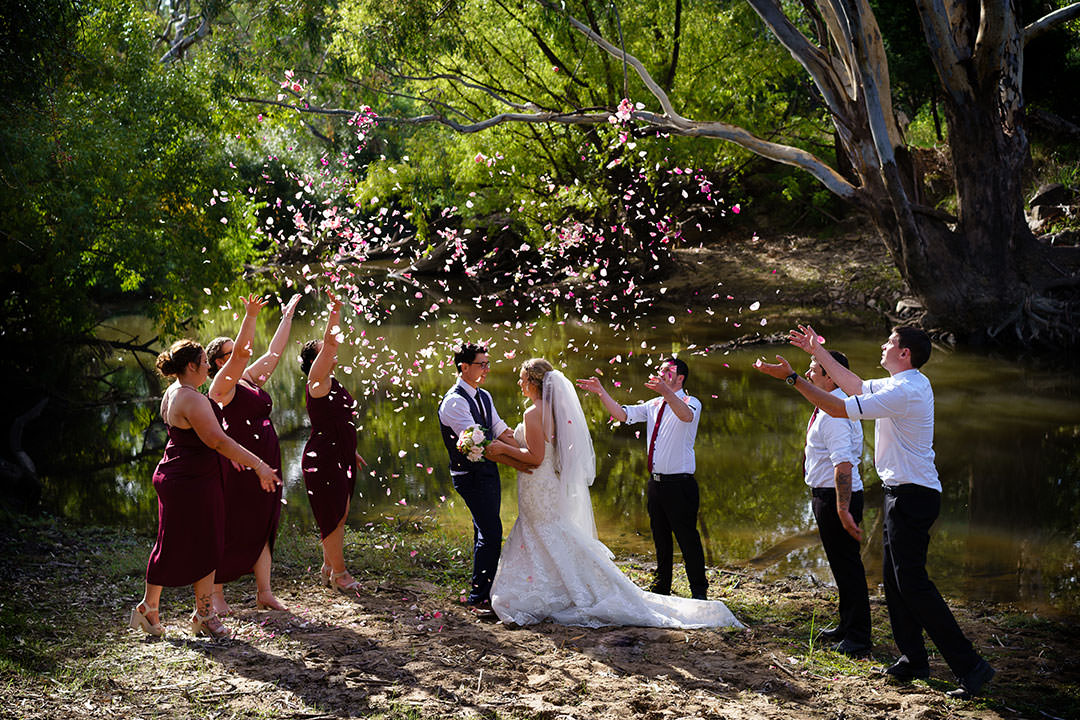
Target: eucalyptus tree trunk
x,y
981,270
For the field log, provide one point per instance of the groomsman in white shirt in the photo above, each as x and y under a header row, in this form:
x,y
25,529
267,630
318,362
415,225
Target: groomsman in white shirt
x,y
831,454
671,423
903,406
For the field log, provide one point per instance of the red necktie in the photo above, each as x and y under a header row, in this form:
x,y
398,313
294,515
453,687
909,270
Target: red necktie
x,y
655,430
806,435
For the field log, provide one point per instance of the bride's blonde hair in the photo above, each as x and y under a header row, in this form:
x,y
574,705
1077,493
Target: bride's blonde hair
x,y
535,369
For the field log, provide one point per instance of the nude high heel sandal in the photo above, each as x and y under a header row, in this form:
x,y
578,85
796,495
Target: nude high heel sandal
x,y
208,625
138,620
351,589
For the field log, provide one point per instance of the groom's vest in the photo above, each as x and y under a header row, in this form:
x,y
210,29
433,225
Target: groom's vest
x,y
482,414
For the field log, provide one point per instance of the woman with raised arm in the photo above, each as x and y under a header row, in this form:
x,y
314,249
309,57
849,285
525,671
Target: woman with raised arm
x,y
330,462
191,506
251,515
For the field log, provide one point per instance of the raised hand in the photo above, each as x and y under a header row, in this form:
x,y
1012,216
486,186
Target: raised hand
x,y
334,302
289,310
590,384
806,339
780,369
253,304
658,385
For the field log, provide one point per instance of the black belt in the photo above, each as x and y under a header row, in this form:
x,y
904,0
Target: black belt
x,y
829,492
673,477
907,489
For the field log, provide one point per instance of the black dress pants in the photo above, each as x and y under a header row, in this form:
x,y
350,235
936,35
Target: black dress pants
x,y
482,493
673,510
845,560
913,600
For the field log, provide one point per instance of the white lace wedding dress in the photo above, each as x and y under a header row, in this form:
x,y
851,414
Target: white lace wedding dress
x,y
553,568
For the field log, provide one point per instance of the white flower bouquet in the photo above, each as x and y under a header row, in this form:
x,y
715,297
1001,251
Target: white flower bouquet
x,y
472,442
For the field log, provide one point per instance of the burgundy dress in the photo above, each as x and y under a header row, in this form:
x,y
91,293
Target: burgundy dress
x,y
191,512
329,461
251,513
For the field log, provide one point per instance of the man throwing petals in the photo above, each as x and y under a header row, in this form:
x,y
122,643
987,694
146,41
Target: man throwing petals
x,y
903,407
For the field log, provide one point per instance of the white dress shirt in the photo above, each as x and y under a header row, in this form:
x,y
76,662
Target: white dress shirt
x,y
674,451
903,406
455,414
829,442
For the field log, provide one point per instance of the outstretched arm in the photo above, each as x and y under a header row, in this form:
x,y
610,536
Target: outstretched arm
x,y
260,371
224,385
319,376
593,385
828,402
807,339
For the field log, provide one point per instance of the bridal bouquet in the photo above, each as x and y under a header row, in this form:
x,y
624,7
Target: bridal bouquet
x,y
472,442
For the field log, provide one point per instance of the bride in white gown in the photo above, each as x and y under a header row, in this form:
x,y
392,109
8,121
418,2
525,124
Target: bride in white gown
x,y
553,567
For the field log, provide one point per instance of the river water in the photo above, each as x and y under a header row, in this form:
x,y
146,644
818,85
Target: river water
x,y
1007,442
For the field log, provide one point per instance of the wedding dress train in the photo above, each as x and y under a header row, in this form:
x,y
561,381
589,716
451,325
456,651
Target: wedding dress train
x,y
554,568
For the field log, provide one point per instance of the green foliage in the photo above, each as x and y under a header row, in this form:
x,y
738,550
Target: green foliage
x,y
110,168
416,58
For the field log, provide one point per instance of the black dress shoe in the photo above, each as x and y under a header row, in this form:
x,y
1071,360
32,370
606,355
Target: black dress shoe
x,y
659,589
904,672
834,634
852,648
481,609
699,596
973,682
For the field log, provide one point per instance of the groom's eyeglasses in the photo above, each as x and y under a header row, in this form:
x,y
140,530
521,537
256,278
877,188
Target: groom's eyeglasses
x,y
484,364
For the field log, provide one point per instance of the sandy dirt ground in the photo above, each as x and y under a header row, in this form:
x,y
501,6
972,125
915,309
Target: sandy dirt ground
x,y
412,651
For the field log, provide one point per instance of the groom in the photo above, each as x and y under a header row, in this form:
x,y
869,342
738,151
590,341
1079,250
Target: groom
x,y
478,484
671,427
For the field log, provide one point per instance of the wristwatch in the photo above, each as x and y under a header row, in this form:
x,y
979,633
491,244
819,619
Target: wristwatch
x,y
792,379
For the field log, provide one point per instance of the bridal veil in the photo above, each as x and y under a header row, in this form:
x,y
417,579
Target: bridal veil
x,y
574,461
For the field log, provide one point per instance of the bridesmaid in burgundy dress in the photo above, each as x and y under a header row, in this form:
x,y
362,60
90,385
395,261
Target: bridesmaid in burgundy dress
x,y
251,515
190,502
330,462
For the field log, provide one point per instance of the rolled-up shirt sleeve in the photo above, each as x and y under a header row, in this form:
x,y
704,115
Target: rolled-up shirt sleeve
x,y
889,401
454,413
636,413
838,440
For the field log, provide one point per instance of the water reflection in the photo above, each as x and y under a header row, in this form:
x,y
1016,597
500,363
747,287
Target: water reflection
x,y
1006,441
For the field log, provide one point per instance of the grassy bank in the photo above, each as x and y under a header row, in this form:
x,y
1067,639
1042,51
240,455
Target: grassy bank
x,y
404,648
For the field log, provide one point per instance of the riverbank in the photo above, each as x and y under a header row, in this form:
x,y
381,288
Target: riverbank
x,y
405,647
841,276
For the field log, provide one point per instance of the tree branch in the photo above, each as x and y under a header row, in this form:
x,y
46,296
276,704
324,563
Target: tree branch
x,y
816,63
177,50
997,25
946,54
777,152
863,44
1049,21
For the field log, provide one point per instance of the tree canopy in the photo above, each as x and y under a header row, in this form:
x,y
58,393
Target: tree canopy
x,y
475,66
